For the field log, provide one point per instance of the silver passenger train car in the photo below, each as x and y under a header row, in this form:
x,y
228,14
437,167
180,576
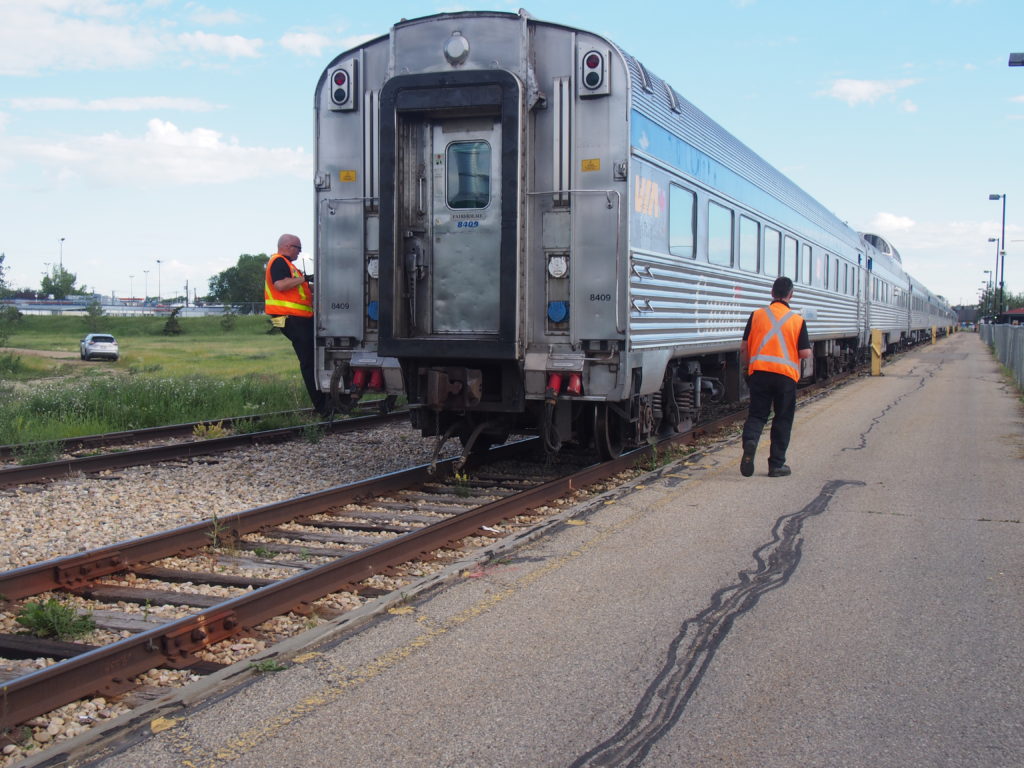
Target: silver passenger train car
x,y
523,229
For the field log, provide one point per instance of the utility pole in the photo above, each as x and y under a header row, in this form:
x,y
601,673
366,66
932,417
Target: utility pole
x,y
1002,254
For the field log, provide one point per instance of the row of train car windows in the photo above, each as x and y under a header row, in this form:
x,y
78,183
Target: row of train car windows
x,y
782,254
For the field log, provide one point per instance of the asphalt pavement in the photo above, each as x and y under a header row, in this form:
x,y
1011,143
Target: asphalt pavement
x,y
864,611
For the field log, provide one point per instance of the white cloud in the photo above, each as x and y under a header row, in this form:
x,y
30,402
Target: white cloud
x,y
40,35
305,43
45,35
855,92
1017,98
232,46
908,106
4,120
200,14
165,154
890,222
124,104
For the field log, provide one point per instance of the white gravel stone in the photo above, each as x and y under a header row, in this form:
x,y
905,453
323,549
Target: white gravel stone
x,y
47,521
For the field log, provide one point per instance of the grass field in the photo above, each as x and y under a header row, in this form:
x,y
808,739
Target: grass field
x,y
206,372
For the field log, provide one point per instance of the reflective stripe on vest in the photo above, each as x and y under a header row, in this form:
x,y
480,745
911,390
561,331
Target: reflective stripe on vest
x,y
296,301
782,363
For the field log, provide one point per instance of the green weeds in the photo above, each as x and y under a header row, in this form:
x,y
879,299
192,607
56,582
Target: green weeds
x,y
205,431
313,433
461,487
39,452
54,619
216,532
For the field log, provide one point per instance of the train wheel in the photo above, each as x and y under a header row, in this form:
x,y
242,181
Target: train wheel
x,y
609,431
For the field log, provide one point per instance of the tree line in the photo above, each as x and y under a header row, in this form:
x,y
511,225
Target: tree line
x,y
240,284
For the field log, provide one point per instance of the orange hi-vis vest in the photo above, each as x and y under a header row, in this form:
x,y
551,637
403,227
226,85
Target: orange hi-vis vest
x,y
297,301
773,339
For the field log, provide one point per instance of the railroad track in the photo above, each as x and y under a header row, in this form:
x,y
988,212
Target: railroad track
x,y
316,555
53,470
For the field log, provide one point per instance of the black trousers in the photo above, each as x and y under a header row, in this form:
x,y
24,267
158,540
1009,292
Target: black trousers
x,y
771,392
299,331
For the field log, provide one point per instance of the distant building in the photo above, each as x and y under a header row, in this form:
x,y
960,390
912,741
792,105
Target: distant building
x,y
966,314
1012,316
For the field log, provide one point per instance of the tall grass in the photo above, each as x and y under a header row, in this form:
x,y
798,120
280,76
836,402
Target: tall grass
x,y
207,373
96,405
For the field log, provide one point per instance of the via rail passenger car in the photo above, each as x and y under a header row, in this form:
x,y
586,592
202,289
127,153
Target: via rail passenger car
x,y
524,230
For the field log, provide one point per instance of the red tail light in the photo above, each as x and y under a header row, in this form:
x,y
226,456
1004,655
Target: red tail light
x,y
359,379
376,380
575,385
555,382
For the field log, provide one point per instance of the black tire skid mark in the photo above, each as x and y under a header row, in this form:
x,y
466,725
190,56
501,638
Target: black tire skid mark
x,y
691,652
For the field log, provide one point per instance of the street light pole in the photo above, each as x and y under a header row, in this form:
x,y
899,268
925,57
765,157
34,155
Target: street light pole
x,y
145,272
158,281
995,275
131,288
60,246
1002,252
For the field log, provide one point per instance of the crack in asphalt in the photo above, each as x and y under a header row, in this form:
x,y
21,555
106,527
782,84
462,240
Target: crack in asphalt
x,y
863,437
692,650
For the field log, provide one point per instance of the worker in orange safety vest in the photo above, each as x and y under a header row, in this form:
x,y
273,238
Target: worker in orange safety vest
x,y
288,299
774,343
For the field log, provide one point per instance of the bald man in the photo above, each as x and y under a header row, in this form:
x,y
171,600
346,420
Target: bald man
x,y
288,299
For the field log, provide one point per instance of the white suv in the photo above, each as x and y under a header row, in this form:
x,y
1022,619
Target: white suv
x,y
99,345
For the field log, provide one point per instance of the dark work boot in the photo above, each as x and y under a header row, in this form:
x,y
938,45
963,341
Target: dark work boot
x,y
783,471
747,462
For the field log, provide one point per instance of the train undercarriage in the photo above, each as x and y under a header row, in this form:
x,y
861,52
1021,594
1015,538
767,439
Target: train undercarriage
x,y
482,406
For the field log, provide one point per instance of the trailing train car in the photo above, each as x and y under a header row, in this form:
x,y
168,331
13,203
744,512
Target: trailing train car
x,y
523,229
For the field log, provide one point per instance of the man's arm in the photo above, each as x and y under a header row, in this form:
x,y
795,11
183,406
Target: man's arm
x,y
281,275
288,283
744,352
803,343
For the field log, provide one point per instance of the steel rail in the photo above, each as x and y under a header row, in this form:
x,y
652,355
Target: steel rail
x,y
51,470
107,670
166,431
146,433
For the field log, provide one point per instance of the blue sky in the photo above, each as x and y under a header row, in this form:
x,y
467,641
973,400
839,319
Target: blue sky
x,y
183,131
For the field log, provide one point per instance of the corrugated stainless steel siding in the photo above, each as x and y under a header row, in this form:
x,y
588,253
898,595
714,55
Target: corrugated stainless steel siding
x,y
691,306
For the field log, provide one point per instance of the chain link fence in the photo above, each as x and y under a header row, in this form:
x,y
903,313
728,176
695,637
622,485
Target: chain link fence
x,y
1007,341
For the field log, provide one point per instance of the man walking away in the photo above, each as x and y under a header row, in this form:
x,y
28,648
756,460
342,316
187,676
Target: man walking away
x,y
774,343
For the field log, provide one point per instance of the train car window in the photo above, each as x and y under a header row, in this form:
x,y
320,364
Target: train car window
x,y
772,246
750,238
807,263
821,269
835,275
469,174
682,221
719,234
790,263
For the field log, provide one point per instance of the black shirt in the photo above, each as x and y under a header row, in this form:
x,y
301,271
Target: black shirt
x,y
280,270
